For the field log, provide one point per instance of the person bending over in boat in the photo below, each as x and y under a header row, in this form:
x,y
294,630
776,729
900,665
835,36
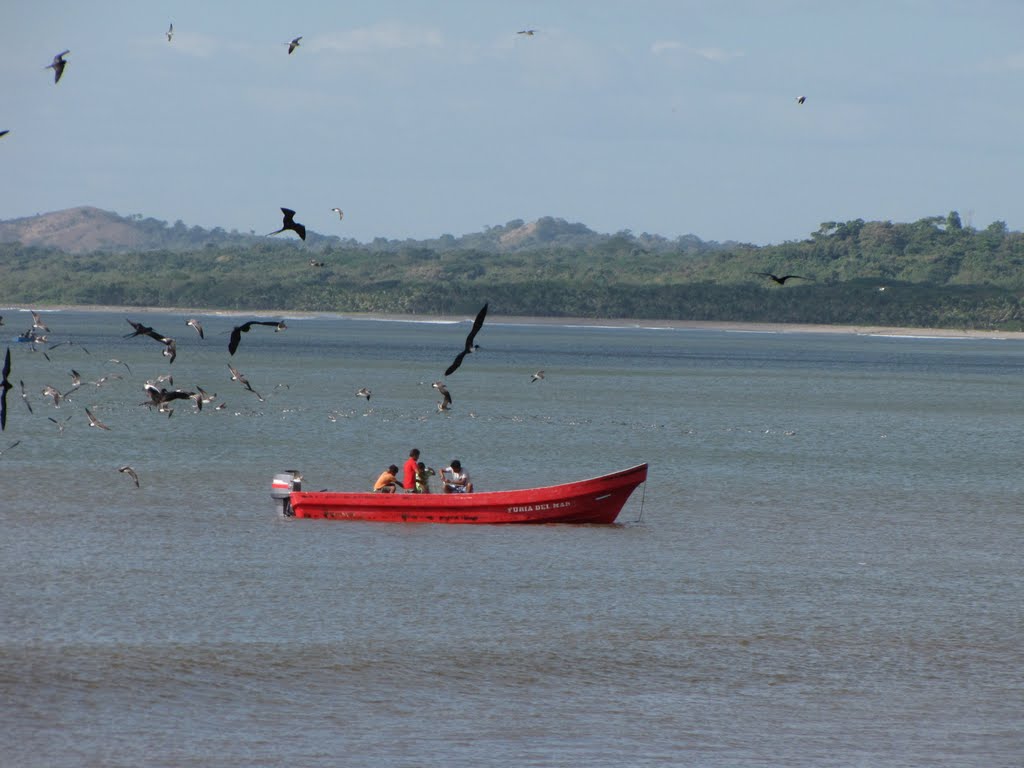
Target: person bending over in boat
x,y
388,481
423,475
455,479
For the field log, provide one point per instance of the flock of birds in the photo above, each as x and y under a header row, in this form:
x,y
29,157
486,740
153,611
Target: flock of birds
x,y
161,398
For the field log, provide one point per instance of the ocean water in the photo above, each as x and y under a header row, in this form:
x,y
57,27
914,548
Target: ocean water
x,y
823,569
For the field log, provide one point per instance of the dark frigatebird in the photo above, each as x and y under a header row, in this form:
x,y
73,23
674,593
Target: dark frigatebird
x,y
781,280
477,323
290,223
5,385
238,330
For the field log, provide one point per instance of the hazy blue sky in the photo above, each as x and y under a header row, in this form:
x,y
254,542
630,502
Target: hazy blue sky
x,y
425,118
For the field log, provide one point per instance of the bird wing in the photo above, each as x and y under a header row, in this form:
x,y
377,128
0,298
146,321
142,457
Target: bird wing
x,y
236,336
477,324
455,363
300,230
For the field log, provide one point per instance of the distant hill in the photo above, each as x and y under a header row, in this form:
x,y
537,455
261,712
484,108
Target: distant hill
x,y
88,230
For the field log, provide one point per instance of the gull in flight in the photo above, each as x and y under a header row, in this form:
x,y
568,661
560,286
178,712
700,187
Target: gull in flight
x,y
801,99
527,32
477,324
60,424
37,322
364,392
51,392
293,44
537,376
94,422
195,324
24,396
290,223
236,375
443,405
341,213
129,471
58,65
170,34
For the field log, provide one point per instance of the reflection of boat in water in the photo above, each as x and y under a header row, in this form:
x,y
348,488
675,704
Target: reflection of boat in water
x,y
598,500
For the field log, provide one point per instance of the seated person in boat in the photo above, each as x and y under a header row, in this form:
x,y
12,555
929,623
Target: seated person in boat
x,y
455,479
423,475
388,481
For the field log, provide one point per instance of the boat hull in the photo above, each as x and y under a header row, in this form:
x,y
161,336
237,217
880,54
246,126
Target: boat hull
x,y
595,501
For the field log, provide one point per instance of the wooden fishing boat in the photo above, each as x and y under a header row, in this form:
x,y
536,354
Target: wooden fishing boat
x,y
595,501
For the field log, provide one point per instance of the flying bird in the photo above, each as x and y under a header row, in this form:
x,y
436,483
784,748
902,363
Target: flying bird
x,y
293,44
129,471
161,398
37,322
5,450
364,392
290,223
445,404
60,424
170,349
537,376
5,384
527,32
236,375
170,34
4,133
238,330
51,392
341,213
76,380
144,330
801,99
94,422
120,362
781,280
24,396
195,324
477,323
58,65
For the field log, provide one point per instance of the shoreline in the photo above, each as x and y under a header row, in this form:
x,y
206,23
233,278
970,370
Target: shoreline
x,y
590,322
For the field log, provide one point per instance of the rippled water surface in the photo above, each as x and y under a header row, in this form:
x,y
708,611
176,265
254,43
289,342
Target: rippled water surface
x,y
824,568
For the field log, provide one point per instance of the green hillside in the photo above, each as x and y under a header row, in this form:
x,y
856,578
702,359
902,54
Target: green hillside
x,y
929,273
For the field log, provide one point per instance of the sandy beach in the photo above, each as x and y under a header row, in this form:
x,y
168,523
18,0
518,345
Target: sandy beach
x,y
696,325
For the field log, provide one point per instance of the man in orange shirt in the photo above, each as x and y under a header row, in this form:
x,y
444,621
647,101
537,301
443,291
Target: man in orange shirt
x,y
387,482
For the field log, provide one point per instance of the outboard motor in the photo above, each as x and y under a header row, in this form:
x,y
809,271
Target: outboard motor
x,y
281,490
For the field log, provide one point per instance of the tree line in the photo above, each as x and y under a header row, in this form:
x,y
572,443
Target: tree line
x,y
934,272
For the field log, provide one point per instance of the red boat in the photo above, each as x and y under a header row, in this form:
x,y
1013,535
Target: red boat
x,y
598,500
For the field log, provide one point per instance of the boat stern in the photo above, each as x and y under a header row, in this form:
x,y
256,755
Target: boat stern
x,y
281,488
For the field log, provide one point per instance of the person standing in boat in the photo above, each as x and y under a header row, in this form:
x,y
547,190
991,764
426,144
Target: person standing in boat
x,y
388,481
409,471
455,479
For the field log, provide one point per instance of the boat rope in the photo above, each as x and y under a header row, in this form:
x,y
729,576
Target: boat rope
x,y
643,497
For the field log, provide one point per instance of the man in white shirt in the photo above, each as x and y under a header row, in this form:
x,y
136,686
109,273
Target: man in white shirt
x,y
455,479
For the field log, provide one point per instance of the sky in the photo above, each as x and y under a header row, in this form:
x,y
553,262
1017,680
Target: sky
x,y
420,119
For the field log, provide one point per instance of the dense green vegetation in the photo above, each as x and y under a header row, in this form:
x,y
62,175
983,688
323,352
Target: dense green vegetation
x,y
934,272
